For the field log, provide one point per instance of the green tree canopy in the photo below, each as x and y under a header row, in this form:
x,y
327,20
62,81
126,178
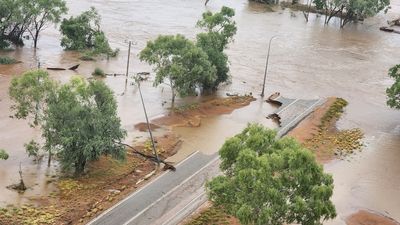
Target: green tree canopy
x,y
351,10
43,13
29,93
82,124
83,33
393,92
219,31
271,181
177,59
3,154
33,16
78,119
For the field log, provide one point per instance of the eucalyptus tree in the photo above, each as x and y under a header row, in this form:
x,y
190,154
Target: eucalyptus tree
x,y
219,30
178,61
78,120
271,181
44,13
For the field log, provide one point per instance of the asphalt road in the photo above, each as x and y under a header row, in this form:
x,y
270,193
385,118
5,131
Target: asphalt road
x,y
172,196
151,201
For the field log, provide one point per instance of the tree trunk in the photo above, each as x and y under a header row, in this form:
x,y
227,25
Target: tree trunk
x,y
49,161
173,93
80,166
35,39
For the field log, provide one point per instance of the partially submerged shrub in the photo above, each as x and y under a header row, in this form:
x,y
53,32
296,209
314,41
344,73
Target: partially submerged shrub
x,y
98,72
5,60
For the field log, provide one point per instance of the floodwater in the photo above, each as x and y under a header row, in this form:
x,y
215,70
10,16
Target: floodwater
x,y
308,60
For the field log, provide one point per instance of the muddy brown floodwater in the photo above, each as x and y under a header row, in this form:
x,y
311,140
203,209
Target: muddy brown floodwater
x,y
307,60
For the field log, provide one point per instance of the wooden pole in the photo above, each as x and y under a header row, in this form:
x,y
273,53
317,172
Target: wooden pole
x,y
266,65
127,65
148,125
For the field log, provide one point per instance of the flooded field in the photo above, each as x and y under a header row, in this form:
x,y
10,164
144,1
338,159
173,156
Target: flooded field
x,y
308,60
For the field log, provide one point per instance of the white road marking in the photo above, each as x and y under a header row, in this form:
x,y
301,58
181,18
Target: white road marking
x,y
284,109
170,191
203,192
136,192
305,111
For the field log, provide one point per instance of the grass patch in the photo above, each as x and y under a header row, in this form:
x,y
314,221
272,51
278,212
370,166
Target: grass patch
x,y
329,141
187,107
212,215
87,56
98,72
28,215
5,60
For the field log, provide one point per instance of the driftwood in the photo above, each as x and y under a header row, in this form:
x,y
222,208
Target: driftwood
x,y
167,166
59,68
55,68
388,29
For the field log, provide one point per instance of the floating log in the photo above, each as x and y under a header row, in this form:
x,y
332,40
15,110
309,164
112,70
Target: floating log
x,y
386,29
55,68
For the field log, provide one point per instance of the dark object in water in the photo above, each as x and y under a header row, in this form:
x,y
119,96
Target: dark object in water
x,y
275,117
55,68
74,67
232,94
271,99
386,29
59,68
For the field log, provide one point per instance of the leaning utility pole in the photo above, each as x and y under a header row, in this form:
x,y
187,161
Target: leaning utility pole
x,y
266,65
148,124
127,65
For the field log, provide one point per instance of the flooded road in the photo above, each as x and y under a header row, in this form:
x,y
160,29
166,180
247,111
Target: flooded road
x,y
308,60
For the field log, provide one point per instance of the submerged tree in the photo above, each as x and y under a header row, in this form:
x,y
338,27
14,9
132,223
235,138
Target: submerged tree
x,y
20,16
3,154
393,92
43,13
29,93
271,181
351,10
83,33
220,29
179,61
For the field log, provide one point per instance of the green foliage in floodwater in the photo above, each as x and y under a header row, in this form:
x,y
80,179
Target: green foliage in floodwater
x,y
268,180
98,72
83,33
19,18
3,154
179,62
393,92
32,148
29,93
219,30
5,60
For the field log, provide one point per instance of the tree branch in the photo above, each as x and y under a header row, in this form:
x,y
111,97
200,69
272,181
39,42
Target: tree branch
x,y
167,166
